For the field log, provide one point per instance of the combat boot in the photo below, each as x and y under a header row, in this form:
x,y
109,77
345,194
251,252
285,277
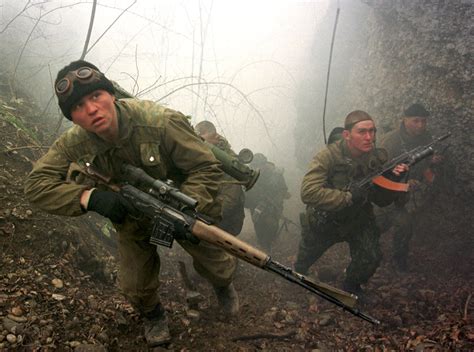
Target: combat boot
x,y
156,327
228,299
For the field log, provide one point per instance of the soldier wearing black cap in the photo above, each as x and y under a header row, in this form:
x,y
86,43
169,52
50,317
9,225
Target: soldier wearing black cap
x,y
107,132
340,212
411,133
265,201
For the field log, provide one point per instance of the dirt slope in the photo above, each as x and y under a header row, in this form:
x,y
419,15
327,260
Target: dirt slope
x,y
57,287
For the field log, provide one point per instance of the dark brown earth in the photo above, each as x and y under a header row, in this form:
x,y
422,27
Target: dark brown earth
x,y
57,286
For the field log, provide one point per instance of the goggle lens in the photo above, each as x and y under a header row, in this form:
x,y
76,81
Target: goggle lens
x,y
84,73
62,86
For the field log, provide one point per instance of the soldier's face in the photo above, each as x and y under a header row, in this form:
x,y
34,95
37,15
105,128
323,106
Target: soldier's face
x,y
96,113
414,125
360,139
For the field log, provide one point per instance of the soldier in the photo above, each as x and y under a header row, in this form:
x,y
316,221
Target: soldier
x,y
410,134
336,213
230,194
107,132
265,201
335,135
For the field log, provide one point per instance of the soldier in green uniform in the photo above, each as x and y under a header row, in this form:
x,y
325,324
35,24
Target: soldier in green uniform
x,y
411,133
107,132
230,193
335,135
340,212
265,201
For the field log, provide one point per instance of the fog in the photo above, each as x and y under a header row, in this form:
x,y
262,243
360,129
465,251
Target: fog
x,y
236,63
239,64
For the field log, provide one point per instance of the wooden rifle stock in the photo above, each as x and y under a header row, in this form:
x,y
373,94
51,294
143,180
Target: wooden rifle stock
x,y
159,211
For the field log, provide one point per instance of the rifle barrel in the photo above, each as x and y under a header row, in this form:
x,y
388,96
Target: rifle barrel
x,y
345,300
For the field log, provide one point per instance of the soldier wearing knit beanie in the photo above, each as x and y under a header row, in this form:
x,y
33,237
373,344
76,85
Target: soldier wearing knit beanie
x,y
76,87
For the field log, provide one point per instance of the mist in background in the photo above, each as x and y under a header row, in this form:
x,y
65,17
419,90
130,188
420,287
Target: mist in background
x,y
257,69
236,63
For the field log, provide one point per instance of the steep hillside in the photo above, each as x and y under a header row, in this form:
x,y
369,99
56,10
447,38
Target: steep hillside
x,y
57,285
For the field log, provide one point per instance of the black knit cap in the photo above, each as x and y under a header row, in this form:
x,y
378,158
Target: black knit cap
x,y
80,90
416,110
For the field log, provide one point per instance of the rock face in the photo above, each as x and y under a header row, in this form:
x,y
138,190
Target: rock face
x,y
413,51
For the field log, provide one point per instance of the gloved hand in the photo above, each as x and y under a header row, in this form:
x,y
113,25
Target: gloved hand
x,y
359,195
110,204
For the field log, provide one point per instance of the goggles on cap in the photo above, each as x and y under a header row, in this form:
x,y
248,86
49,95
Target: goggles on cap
x,y
83,75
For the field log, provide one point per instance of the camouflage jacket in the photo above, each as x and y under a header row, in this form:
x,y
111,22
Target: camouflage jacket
x,y
270,190
331,171
398,141
230,193
157,139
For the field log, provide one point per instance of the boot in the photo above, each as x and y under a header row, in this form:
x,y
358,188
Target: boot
x,y
228,299
156,327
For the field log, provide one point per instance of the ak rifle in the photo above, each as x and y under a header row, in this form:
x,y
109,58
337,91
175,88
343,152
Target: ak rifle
x,y
171,212
410,158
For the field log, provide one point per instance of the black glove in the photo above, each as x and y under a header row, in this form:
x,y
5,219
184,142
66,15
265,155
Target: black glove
x,y
359,195
112,205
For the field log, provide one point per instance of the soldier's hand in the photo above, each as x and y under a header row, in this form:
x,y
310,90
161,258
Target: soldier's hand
x,y
358,194
400,169
110,204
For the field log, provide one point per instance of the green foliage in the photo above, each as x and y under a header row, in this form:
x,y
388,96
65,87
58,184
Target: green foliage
x,y
17,123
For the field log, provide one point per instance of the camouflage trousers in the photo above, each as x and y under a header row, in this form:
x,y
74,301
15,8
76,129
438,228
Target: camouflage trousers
x,y
139,265
233,199
401,219
319,233
398,218
266,227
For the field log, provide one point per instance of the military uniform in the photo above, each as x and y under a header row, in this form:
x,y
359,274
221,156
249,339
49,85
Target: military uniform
x,y
162,143
400,215
331,217
265,201
232,197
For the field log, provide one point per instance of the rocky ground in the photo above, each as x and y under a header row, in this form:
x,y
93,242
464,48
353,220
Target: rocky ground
x,y
57,286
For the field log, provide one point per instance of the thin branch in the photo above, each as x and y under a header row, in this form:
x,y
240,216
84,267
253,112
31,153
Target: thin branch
x,y
264,336
329,71
21,54
149,88
237,90
110,26
124,47
89,31
8,150
26,7
466,305
135,86
132,78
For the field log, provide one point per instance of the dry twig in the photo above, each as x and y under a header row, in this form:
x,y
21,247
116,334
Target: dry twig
x,y
264,336
466,305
